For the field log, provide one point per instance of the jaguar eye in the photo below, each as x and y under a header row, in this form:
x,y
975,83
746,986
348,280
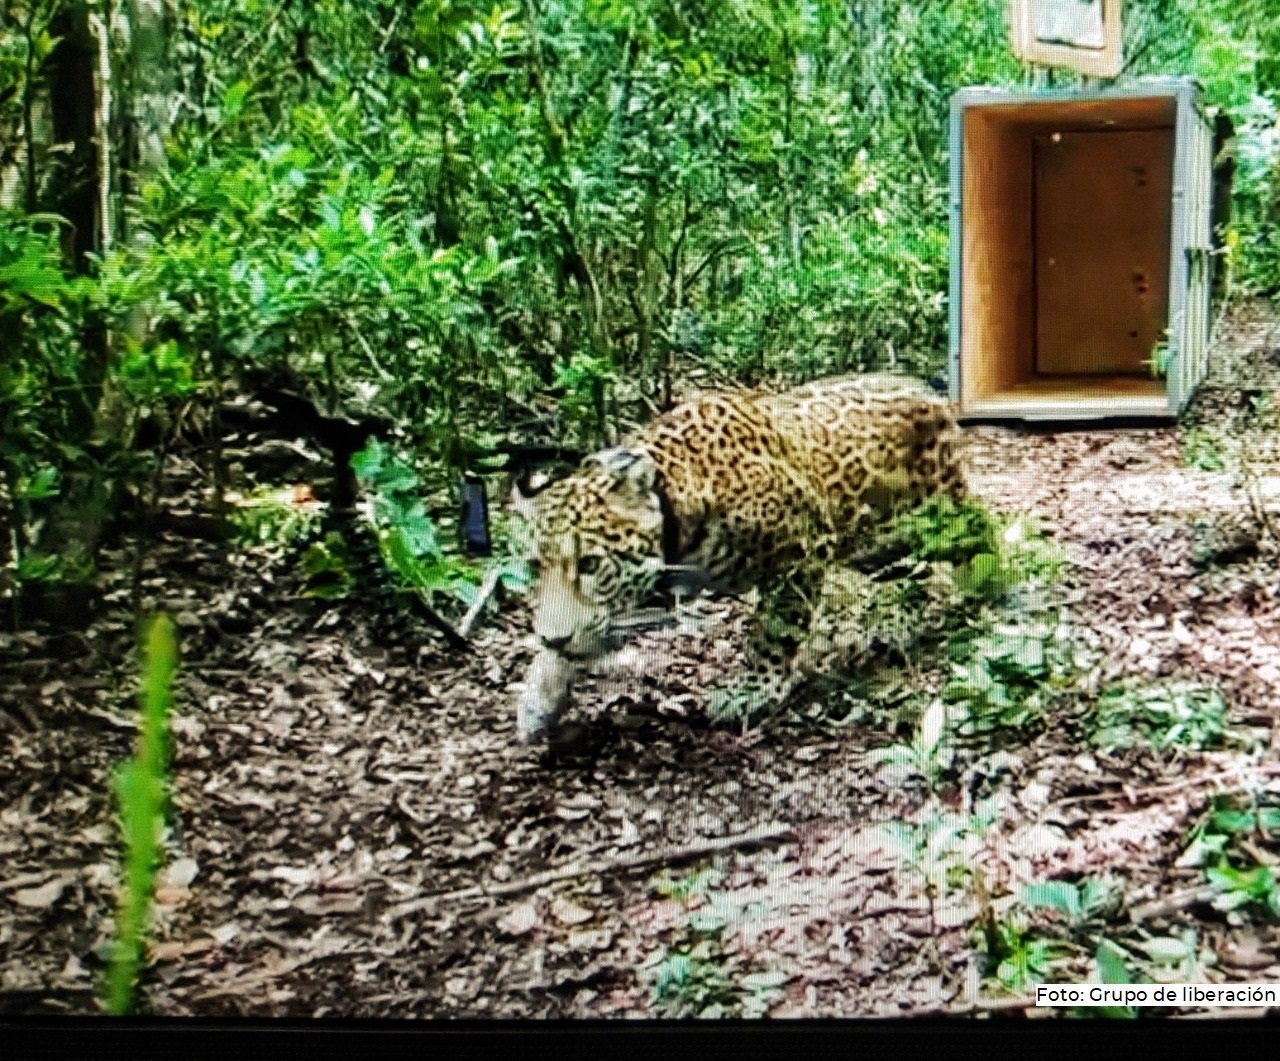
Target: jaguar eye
x,y
588,565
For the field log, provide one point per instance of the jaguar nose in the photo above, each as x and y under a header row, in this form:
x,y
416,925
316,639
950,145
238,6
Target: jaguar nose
x,y
556,643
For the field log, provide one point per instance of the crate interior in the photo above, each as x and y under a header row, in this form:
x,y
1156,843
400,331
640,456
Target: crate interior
x,y
1066,229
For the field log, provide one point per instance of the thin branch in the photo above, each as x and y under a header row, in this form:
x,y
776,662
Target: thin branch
x,y
487,588
386,34
723,247
368,350
1147,45
764,835
1173,903
268,29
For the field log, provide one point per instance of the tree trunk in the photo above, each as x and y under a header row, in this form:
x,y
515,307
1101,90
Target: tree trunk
x,y
73,180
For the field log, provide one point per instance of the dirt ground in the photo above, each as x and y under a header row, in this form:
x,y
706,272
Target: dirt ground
x,y
356,832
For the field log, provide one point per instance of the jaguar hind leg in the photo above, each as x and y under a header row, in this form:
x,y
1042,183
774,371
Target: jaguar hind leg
x,y
774,636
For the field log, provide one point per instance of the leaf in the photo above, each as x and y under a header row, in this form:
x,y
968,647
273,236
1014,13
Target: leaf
x,y
182,872
233,99
368,461
1227,820
520,919
1164,949
1059,895
41,486
32,278
42,897
1112,968
982,569
933,726
765,981
569,913
299,876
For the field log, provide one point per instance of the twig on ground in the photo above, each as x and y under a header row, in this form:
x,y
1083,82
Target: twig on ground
x,y
982,1005
1171,904
1133,795
766,835
1263,858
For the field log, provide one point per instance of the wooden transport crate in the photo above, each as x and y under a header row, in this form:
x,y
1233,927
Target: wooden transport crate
x,y
1080,251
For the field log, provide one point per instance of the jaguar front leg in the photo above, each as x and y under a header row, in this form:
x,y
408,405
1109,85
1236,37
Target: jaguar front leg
x,y
545,696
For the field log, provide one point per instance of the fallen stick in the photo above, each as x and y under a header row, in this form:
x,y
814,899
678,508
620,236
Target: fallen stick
x,y
487,588
981,1005
1173,903
770,834
1132,795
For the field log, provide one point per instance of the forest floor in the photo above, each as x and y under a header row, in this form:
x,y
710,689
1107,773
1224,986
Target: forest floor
x,y
356,832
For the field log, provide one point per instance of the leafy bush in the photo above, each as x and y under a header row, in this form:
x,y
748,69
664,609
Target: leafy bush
x,y
1008,680
1179,715
406,535
1226,844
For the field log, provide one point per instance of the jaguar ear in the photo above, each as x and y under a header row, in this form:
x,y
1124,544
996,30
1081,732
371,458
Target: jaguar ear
x,y
523,491
634,471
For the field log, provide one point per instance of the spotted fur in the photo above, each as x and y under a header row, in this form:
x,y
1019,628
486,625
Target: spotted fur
x,y
734,489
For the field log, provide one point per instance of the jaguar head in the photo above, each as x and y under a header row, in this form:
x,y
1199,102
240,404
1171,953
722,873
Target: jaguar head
x,y
597,551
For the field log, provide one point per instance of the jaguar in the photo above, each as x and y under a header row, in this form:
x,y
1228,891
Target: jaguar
x,y
729,491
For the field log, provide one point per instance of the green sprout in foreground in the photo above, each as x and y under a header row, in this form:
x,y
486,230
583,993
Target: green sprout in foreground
x,y
140,786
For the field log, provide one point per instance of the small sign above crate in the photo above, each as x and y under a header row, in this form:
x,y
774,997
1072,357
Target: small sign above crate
x,y
1080,251
1081,35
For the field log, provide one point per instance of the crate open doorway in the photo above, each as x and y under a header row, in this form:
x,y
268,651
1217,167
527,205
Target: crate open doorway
x,y
1080,252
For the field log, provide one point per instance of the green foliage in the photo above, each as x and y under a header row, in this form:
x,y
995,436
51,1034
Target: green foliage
x,y
1179,715
45,383
941,529
1081,904
327,568
1237,888
1200,449
993,553
141,788
1228,843
150,376
406,535
273,515
1016,957
1019,955
1113,968
937,846
1224,825
682,887
1228,819
1161,357
698,975
586,380
926,756
1007,680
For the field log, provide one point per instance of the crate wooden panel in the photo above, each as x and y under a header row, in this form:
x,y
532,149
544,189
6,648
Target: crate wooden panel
x,y
1080,235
